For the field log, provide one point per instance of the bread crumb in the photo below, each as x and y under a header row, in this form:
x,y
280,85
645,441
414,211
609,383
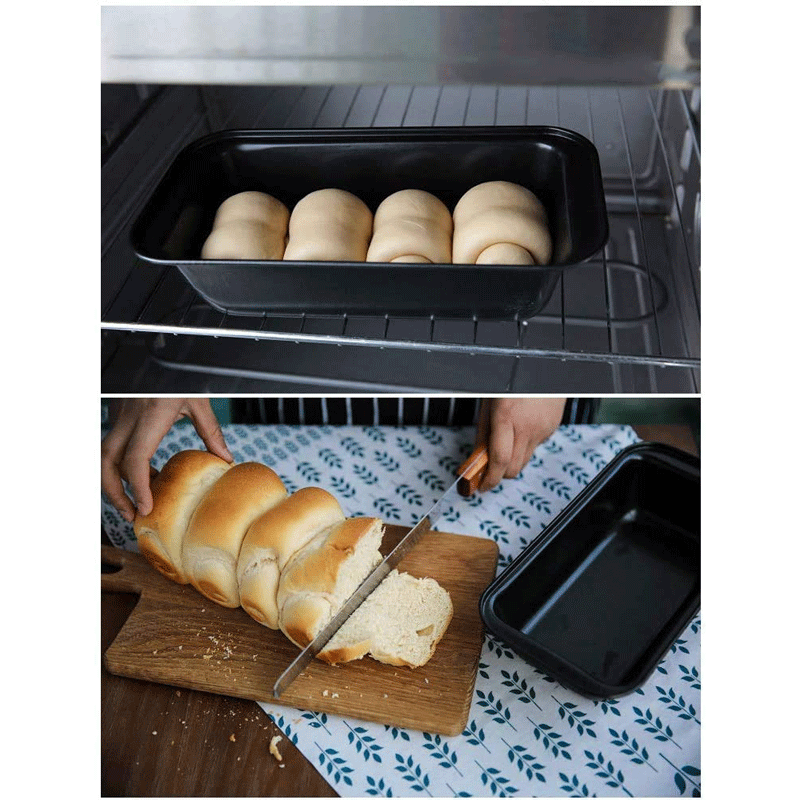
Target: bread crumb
x,y
178,692
231,738
335,694
386,695
206,657
325,693
426,680
281,766
155,733
273,747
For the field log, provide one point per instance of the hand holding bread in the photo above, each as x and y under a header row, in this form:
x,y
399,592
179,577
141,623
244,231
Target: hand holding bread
x,y
139,425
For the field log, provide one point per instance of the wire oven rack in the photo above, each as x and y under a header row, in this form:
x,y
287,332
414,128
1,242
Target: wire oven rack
x,y
635,308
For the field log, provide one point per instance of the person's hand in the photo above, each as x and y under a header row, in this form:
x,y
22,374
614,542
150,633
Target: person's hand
x,y
517,426
139,427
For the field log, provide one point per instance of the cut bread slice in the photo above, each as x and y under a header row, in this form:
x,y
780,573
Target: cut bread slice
x,y
400,623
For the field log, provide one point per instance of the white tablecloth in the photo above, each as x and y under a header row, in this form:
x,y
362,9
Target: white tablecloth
x,y
526,735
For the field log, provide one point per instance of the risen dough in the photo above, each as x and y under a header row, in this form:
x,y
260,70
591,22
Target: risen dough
x,y
248,225
412,226
329,225
505,253
499,212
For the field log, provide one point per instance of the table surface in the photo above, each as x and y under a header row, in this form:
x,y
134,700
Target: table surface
x,y
160,741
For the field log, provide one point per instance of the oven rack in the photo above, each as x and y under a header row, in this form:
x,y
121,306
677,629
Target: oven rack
x,y
636,303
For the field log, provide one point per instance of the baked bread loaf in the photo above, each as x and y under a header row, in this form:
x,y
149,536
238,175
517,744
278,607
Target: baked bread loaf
x,y
412,226
291,562
500,213
219,524
248,225
177,490
329,225
400,623
272,539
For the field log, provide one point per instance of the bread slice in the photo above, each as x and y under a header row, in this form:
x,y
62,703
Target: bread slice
x,y
400,623
177,490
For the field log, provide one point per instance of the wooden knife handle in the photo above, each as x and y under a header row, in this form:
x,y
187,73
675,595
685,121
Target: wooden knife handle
x,y
474,468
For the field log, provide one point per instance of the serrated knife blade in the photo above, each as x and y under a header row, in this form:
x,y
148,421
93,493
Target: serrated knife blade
x,y
469,475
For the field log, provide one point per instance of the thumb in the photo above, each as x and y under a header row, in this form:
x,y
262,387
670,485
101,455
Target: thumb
x,y
208,429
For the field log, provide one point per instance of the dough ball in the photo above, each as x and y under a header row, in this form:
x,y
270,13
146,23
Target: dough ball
x,y
329,225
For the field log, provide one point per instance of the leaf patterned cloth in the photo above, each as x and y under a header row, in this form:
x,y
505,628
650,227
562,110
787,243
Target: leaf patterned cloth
x,y
526,735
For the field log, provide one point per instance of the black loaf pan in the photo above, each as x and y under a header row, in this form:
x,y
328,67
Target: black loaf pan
x,y
561,167
600,596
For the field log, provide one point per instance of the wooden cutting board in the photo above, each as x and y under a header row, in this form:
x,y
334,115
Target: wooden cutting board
x,y
176,636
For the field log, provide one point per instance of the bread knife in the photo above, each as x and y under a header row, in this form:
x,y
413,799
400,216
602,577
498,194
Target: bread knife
x,y
470,474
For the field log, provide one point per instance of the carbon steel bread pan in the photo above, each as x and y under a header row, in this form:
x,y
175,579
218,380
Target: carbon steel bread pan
x,y
601,595
561,167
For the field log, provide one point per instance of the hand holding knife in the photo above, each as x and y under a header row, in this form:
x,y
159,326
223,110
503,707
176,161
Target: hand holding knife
x,y
471,472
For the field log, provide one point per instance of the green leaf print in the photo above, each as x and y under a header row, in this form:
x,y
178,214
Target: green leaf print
x,y
494,708
442,752
475,735
653,725
431,480
537,501
631,748
408,447
524,761
519,687
386,461
575,718
573,787
412,773
605,770
411,496
684,775
550,740
492,779
676,703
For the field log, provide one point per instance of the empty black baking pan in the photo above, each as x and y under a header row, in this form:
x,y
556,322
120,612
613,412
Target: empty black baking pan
x,y
561,167
601,595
